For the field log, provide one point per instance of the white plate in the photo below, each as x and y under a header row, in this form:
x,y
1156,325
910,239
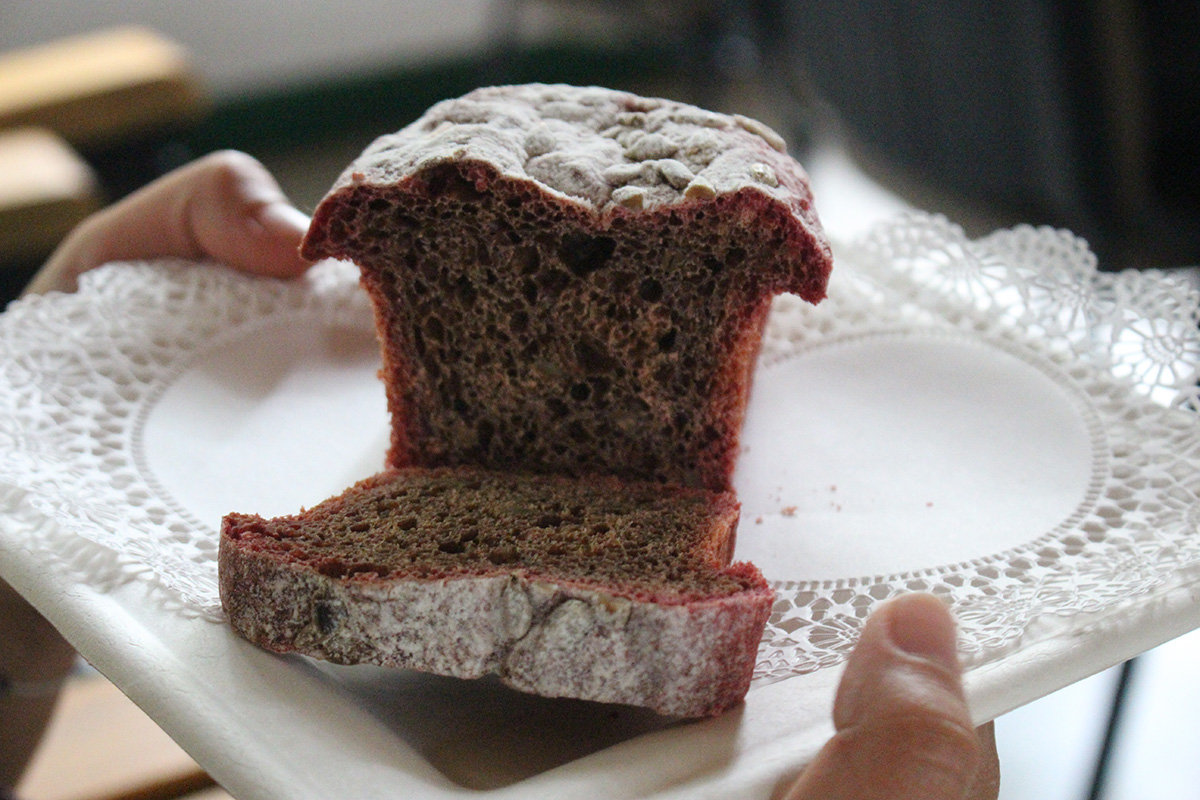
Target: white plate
x,y
992,421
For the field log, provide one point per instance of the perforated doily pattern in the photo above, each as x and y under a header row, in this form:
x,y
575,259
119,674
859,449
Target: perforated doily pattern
x,y
80,372
1125,346
78,377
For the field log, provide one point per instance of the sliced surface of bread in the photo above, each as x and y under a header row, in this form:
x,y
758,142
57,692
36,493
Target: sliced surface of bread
x,y
596,589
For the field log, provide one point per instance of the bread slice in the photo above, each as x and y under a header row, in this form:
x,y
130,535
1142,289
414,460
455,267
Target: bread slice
x,y
596,589
573,280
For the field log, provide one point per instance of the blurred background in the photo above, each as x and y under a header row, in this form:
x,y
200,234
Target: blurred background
x,y
1081,115
993,112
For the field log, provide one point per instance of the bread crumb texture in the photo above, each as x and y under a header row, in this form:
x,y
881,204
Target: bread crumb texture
x,y
641,541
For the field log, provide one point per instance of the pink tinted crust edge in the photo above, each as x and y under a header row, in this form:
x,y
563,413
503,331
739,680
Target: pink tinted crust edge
x,y
555,639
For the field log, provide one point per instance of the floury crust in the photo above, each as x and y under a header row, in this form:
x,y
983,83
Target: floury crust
x,y
555,640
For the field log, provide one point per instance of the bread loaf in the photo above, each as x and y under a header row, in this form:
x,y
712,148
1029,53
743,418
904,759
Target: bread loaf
x,y
573,280
569,286
603,590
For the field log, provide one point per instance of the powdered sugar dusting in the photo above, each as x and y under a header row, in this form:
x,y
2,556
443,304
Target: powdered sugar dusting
x,y
548,638
587,143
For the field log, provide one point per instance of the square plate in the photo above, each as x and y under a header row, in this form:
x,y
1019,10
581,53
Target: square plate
x,y
993,421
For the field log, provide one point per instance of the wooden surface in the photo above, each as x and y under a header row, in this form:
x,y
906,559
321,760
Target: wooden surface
x,y
100,746
45,190
95,90
100,87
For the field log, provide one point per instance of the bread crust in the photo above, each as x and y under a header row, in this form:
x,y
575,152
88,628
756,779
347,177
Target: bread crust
x,y
555,639
595,148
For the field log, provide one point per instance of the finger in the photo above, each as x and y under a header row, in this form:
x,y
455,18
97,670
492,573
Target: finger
x,y
238,215
903,727
225,206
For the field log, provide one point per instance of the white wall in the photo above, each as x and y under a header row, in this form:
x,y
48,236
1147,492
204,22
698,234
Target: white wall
x,y
241,45
247,45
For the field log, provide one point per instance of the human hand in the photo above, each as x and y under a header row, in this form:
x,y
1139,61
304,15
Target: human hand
x,y
224,206
903,728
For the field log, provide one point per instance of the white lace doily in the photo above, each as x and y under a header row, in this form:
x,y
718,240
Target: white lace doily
x,y
1125,346
82,373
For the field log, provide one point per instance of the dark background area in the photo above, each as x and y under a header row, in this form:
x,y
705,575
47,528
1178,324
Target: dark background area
x,y
1077,115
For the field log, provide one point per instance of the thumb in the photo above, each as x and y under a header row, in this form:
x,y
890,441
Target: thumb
x,y
903,728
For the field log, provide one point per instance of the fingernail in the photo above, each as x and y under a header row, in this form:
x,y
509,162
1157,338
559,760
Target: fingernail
x,y
921,625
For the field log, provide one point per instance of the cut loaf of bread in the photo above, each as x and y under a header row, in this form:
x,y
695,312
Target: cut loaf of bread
x,y
602,590
573,280
570,286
